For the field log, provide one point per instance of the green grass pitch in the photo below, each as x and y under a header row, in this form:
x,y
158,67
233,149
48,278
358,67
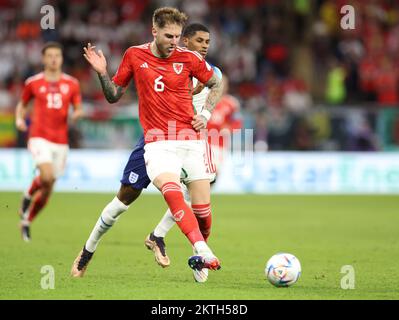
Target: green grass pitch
x,y
324,232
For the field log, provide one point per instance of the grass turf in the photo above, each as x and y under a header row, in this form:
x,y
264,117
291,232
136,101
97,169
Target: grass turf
x,y
324,232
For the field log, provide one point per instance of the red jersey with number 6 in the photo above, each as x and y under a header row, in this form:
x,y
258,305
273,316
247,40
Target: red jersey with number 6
x,y
164,88
49,119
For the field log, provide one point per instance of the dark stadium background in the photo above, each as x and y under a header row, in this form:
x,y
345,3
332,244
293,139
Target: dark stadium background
x,y
322,102
304,83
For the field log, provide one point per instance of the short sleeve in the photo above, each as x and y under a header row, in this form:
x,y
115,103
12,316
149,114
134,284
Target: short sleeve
x,y
77,96
201,69
218,72
27,92
125,71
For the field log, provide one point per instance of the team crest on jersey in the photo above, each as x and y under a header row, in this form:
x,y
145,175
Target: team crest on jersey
x,y
133,177
64,88
42,89
178,67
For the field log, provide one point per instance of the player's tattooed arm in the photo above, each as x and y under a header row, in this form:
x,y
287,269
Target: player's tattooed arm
x,y
112,92
97,60
215,85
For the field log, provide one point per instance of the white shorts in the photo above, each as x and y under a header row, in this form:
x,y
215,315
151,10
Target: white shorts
x,y
176,156
44,151
218,154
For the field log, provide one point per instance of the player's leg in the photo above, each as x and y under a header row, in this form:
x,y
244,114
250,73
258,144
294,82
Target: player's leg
x,y
164,163
201,205
134,179
163,167
110,214
199,191
38,200
156,239
196,164
27,197
167,221
41,187
49,173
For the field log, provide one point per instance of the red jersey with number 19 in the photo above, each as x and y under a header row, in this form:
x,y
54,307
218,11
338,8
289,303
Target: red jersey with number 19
x,y
164,88
51,105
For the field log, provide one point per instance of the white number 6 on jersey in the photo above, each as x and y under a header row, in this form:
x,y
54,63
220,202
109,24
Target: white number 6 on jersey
x,y
159,86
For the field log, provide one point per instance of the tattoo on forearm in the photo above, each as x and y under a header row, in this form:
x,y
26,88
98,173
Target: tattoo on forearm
x,y
112,92
216,89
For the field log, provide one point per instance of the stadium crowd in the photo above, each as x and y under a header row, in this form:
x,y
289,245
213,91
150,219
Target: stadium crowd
x,y
283,58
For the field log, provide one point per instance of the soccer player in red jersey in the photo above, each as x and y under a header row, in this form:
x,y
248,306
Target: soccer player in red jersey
x,y
225,119
196,37
52,91
162,73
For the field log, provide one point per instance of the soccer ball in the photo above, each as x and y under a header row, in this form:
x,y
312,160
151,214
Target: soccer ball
x,y
283,270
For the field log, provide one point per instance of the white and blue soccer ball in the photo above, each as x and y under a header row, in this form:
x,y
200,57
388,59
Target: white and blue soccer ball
x,y
283,270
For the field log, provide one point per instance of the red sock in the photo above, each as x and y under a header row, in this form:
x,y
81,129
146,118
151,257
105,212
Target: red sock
x,y
204,217
38,203
36,184
182,213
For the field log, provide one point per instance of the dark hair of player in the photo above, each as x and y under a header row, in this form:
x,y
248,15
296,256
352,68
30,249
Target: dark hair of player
x,y
192,28
166,15
51,44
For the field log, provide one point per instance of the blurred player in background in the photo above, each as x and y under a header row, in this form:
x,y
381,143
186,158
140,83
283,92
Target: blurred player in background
x,y
53,92
162,73
196,37
226,118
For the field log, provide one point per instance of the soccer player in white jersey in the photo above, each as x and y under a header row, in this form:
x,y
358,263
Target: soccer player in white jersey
x,y
196,37
162,73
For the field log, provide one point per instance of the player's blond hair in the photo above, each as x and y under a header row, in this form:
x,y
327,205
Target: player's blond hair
x,y
168,15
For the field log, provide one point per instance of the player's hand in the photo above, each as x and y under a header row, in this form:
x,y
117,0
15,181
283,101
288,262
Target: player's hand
x,y
198,88
199,122
76,115
21,124
96,59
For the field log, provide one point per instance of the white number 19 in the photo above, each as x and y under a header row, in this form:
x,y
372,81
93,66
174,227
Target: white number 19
x,y
54,100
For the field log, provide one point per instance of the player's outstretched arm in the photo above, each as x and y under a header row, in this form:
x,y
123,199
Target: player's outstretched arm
x,y
97,60
215,85
20,114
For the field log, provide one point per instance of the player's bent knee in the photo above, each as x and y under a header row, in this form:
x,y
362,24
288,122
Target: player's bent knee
x,y
127,194
199,192
163,178
47,182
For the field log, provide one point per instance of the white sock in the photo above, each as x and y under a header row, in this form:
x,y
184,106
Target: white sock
x,y
166,223
186,194
107,218
202,248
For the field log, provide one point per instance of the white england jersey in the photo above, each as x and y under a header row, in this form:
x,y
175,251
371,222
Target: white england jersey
x,y
200,98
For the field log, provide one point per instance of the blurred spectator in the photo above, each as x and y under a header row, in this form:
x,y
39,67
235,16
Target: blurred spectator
x,y
386,79
361,136
335,88
296,96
